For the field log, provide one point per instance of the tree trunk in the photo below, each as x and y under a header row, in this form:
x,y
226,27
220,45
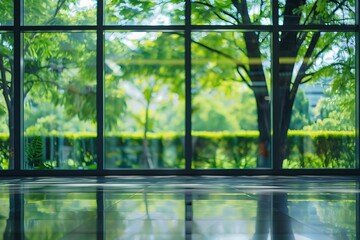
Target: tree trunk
x,y
259,87
263,119
146,156
288,49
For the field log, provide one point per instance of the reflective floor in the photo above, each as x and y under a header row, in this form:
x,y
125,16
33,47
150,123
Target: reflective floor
x,y
172,208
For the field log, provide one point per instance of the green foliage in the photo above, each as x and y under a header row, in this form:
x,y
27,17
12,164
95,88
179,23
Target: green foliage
x,y
229,108
320,149
330,114
300,116
327,12
143,76
235,149
34,154
6,12
225,12
56,74
4,153
59,12
139,12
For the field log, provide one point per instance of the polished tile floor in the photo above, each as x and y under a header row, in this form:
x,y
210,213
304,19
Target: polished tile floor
x,y
171,208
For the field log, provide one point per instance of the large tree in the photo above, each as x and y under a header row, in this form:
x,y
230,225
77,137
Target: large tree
x,y
302,54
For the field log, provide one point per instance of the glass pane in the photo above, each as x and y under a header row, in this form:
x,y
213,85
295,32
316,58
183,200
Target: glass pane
x,y
144,99
231,110
60,215
144,12
220,12
6,12
6,100
295,12
60,100
152,215
67,12
322,121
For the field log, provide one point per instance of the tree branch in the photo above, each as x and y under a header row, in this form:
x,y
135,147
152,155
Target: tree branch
x,y
238,46
6,93
238,63
243,78
312,11
59,5
317,55
242,10
261,10
220,10
304,66
307,78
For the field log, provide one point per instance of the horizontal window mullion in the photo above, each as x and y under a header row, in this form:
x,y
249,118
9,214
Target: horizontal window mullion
x,y
342,28
181,172
6,28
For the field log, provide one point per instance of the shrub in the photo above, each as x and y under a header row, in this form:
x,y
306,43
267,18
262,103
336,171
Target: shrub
x,y
304,149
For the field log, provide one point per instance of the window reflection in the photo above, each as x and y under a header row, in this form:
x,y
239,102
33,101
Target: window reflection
x,y
334,213
132,209
136,215
6,221
59,216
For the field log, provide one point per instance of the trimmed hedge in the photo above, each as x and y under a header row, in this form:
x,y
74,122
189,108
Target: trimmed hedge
x,y
320,149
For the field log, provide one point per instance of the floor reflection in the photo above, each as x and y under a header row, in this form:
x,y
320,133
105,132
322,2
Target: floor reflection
x,y
174,208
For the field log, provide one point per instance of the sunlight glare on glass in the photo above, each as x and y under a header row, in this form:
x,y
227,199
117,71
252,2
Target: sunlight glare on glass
x,y
81,6
86,4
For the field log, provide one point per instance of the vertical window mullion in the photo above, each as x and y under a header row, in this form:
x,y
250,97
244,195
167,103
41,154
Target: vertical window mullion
x,y
18,153
100,86
18,89
357,86
100,211
188,138
275,101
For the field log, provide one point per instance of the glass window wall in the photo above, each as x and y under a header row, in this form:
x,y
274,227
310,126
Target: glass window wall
x,y
187,86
